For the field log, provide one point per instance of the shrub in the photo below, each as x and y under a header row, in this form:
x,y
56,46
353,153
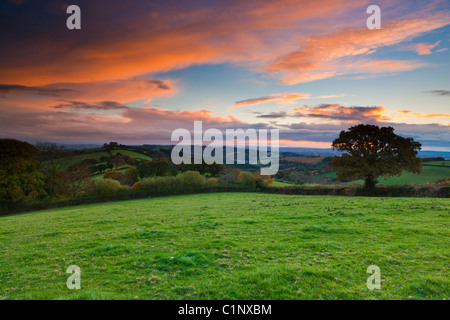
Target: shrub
x,y
131,176
262,181
247,179
162,185
114,175
229,177
137,186
213,181
193,178
107,187
147,169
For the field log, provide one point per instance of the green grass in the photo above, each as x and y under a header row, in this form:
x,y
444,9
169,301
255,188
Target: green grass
x,y
230,246
445,163
280,183
132,154
430,173
67,162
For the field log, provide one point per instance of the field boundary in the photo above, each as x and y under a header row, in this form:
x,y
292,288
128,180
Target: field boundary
x,y
353,191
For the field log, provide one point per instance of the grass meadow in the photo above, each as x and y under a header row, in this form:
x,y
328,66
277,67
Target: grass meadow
x,y
230,246
431,172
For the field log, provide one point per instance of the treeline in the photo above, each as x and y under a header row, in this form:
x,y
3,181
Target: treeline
x,y
438,189
32,178
109,189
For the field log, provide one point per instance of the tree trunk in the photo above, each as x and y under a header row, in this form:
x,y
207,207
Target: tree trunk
x,y
370,182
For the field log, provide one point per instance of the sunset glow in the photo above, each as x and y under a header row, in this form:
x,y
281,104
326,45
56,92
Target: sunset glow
x,y
137,70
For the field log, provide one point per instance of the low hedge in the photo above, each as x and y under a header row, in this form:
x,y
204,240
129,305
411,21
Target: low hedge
x,y
131,193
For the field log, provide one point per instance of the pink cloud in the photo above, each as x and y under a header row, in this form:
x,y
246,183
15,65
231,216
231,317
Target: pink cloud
x,y
347,51
425,48
341,113
280,98
424,115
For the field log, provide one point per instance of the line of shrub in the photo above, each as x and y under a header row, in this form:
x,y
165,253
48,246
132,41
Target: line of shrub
x,y
106,190
193,182
381,191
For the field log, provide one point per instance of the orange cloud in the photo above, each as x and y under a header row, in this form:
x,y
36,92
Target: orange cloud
x,y
425,115
107,95
145,37
346,51
122,40
282,98
424,48
124,90
341,113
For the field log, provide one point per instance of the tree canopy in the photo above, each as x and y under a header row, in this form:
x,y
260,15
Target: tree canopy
x,y
19,171
370,152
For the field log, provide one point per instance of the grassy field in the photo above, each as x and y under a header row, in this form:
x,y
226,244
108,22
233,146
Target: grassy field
x,y
132,154
230,246
445,163
281,183
430,173
66,163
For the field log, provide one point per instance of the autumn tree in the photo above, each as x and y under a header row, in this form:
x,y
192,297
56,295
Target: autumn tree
x,y
247,178
51,157
370,152
119,160
131,176
114,175
20,175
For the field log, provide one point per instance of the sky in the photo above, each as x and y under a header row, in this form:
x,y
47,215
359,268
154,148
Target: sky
x,y
137,70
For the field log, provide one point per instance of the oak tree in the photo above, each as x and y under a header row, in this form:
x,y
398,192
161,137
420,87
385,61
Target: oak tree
x,y
370,152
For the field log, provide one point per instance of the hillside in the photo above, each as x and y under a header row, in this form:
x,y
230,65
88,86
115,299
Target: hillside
x,y
69,161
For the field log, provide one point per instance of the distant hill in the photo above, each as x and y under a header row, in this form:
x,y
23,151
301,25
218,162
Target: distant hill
x,y
329,152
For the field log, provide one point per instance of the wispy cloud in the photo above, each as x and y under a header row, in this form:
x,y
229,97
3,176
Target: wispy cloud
x,y
122,90
103,105
424,115
347,51
440,92
280,98
342,113
424,48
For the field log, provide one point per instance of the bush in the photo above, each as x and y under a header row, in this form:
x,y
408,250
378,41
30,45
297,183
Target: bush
x,y
131,176
137,186
147,169
162,185
193,178
213,181
114,175
107,187
229,177
247,179
262,181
